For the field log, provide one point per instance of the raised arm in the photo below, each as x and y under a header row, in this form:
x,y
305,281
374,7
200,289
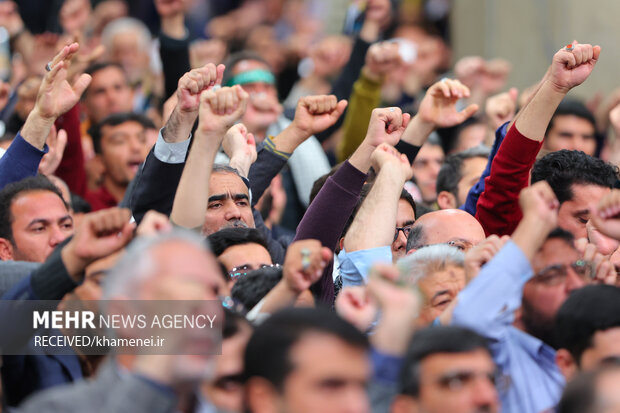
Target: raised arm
x,y
498,209
219,110
374,224
55,97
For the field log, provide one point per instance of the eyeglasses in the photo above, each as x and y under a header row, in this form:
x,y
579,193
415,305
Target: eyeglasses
x,y
556,274
406,230
242,270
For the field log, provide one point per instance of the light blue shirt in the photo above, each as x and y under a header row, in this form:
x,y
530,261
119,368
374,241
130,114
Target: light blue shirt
x,y
354,266
532,382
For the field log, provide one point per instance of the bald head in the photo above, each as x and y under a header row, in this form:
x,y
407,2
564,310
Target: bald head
x,y
445,226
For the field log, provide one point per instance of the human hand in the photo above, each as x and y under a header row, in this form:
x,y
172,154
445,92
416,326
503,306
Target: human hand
x,y
571,68
153,223
304,264
5,91
386,156
354,305
100,234
482,253
315,114
240,147
538,201
56,96
196,81
386,126
438,107
56,142
603,270
501,108
381,59
606,215
220,109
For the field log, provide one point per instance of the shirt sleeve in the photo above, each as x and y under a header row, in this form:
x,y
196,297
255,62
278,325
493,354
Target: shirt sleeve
x,y
354,266
171,152
488,302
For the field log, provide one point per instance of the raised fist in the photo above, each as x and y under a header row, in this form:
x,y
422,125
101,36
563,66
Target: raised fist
x,y
571,68
439,104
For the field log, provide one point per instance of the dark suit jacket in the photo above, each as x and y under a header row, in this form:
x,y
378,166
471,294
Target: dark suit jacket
x,y
23,375
110,391
156,184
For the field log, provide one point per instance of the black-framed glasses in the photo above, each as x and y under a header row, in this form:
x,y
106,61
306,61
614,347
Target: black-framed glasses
x,y
556,274
242,270
406,230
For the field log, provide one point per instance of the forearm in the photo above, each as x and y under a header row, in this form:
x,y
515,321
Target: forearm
x,y
179,125
36,129
191,198
417,132
535,117
289,139
393,333
530,235
280,296
374,224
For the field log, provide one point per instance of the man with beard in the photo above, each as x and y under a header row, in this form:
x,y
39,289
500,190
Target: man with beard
x,y
538,270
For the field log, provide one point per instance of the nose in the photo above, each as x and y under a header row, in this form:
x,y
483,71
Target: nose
x,y
57,236
485,395
400,243
232,211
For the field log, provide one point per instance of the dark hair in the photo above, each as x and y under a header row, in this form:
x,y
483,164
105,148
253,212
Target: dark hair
x,y
10,192
254,286
235,58
267,352
433,340
572,107
562,234
320,181
587,310
79,204
116,119
580,394
564,168
232,321
451,171
96,67
416,238
225,238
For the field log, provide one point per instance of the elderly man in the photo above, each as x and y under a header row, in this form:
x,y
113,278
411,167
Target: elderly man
x,y
449,226
177,261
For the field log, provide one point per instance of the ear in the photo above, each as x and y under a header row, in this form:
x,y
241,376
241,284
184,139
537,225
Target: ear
x,y
404,404
446,200
261,396
566,363
6,250
341,243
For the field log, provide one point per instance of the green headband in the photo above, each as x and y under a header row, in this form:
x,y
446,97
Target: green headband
x,y
252,76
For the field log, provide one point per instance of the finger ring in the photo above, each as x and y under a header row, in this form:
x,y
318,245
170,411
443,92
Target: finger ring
x,y
569,47
305,259
392,109
48,66
444,79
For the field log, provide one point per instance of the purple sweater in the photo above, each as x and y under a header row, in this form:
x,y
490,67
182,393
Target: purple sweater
x,y
326,217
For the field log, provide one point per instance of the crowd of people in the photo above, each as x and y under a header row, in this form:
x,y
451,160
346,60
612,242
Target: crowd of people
x,y
385,229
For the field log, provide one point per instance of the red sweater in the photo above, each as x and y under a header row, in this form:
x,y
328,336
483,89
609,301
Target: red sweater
x,y
498,208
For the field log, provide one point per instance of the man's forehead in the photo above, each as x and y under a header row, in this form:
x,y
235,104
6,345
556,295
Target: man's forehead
x,y
555,251
36,200
222,183
248,64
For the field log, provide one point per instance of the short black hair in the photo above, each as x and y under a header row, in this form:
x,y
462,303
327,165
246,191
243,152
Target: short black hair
x,y
564,168
572,107
433,340
225,238
237,57
10,192
451,171
254,286
562,234
79,204
587,310
267,352
96,67
116,119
